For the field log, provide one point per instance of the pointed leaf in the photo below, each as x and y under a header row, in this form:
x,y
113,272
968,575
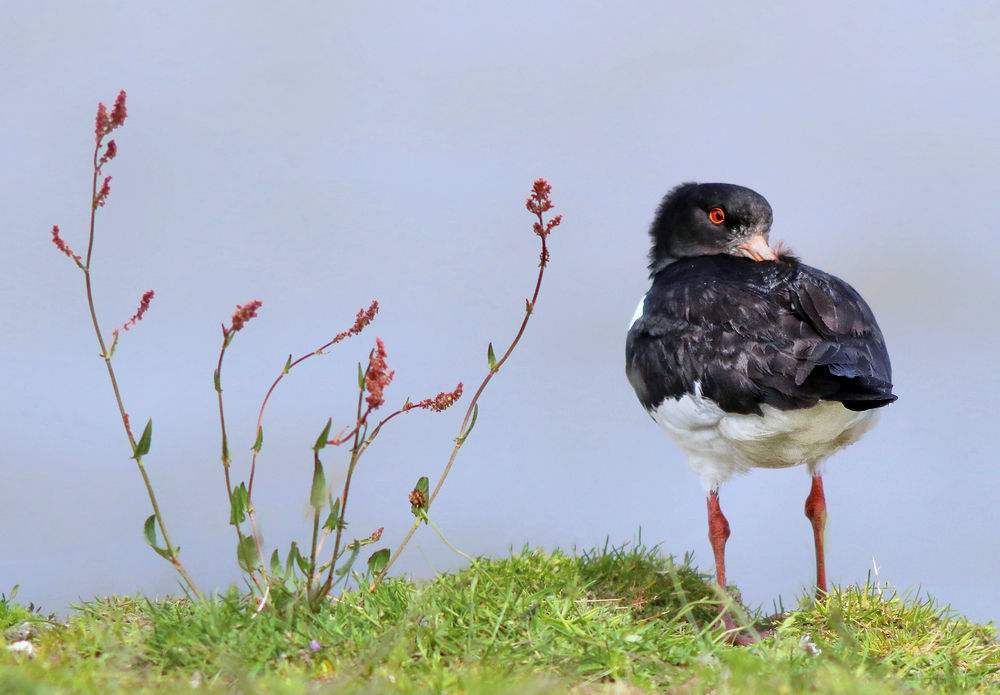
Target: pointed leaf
x,y
293,557
302,562
246,554
361,378
275,564
149,530
321,442
475,414
260,439
218,381
288,365
491,358
342,570
317,498
334,518
142,448
162,552
378,560
237,513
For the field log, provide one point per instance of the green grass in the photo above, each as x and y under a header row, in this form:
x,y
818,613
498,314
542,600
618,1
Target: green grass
x,y
616,620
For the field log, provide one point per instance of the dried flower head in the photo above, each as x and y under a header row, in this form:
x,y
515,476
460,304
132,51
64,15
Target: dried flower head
x,y
418,498
439,403
243,314
377,377
363,319
61,245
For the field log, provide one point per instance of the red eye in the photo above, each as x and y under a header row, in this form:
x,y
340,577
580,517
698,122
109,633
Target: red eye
x,y
716,215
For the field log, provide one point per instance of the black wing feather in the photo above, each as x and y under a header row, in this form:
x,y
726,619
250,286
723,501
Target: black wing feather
x,y
780,333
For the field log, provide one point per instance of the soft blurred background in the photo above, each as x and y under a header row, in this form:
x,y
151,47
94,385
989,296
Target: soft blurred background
x,y
317,156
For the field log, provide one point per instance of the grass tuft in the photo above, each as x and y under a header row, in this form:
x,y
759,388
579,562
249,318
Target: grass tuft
x,y
623,619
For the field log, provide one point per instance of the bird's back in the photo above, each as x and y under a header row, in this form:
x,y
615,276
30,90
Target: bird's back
x,y
752,333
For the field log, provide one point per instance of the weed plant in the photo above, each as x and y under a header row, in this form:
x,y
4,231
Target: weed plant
x,y
304,574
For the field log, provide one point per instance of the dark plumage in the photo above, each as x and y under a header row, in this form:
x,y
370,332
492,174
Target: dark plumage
x,y
747,357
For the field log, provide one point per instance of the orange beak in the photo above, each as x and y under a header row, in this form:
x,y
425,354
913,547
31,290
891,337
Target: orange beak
x,y
757,249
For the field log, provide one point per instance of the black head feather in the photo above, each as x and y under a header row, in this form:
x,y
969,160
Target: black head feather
x,y
683,226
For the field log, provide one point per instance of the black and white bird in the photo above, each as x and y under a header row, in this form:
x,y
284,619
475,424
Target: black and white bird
x,y
746,357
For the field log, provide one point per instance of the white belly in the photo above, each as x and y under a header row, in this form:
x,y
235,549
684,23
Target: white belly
x,y
719,445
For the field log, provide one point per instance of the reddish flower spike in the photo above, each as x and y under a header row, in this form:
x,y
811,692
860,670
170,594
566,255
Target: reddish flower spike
x,y
243,314
61,245
118,113
109,153
103,122
440,402
102,195
362,320
143,308
377,377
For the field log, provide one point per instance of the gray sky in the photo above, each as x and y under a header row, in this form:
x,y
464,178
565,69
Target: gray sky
x,y
328,154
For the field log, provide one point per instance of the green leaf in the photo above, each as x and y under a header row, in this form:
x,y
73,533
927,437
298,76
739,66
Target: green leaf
x,y
334,519
361,378
492,359
237,513
302,562
275,564
423,485
293,557
288,365
142,448
378,560
218,380
260,439
246,553
317,498
342,570
149,531
475,414
321,442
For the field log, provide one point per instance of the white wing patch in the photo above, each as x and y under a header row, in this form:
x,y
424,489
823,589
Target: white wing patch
x,y
638,312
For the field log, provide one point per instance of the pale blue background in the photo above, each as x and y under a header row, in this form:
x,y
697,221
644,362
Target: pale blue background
x,y
319,155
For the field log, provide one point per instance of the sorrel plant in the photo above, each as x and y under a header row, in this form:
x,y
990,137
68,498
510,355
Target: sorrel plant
x,y
304,575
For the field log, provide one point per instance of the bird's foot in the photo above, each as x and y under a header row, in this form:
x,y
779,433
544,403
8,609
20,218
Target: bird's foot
x,y
739,637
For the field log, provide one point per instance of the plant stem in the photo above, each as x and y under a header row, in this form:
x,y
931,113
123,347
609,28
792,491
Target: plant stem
x,y
174,559
462,432
226,460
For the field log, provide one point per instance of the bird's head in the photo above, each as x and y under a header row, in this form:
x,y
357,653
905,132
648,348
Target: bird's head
x,y
701,219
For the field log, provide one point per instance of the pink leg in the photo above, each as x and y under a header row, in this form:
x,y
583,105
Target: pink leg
x,y
718,534
816,513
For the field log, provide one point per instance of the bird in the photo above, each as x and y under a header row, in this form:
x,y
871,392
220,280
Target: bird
x,y
748,358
